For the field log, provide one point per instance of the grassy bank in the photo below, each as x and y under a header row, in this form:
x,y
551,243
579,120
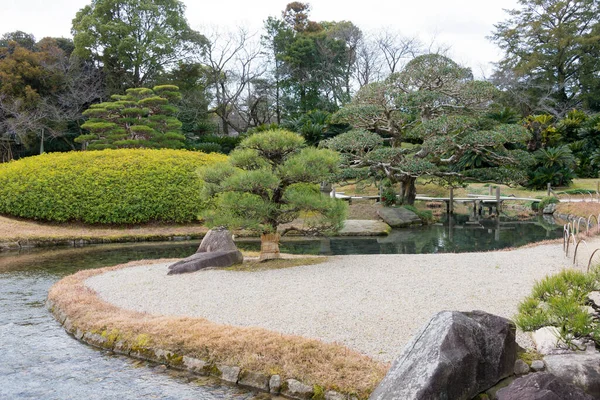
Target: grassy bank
x,y
323,365
16,230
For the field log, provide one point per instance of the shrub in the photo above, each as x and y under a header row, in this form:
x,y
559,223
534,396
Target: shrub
x,y
545,201
110,186
559,301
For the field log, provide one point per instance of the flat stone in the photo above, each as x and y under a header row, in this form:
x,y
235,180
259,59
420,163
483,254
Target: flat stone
x,y
9,246
194,364
399,217
541,386
358,227
198,261
492,393
578,368
296,389
521,367
331,395
217,249
454,356
229,374
594,297
275,384
95,339
549,209
547,341
538,365
254,380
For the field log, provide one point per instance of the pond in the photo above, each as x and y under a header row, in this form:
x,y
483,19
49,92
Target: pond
x,y
41,361
458,234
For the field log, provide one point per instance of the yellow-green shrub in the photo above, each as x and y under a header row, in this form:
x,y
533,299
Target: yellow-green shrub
x,y
111,186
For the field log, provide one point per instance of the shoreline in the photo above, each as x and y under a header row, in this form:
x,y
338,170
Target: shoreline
x,y
319,364
288,365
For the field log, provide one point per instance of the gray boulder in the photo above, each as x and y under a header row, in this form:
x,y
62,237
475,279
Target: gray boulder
x,y
217,249
578,368
542,386
399,217
455,356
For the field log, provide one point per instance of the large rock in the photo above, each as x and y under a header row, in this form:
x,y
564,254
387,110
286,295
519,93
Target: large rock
x,y
542,386
455,356
399,217
359,227
217,249
578,368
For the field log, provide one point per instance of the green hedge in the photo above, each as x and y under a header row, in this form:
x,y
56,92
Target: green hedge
x,y
111,186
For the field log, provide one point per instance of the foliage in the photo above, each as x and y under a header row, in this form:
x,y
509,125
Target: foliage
x,y
434,105
553,165
425,215
271,179
559,300
109,187
43,90
546,201
313,60
551,55
141,118
134,40
213,143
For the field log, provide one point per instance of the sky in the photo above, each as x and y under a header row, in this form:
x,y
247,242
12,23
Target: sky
x,y
463,25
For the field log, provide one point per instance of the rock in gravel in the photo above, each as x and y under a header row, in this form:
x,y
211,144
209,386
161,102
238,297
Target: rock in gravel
x,y
579,368
217,249
542,386
521,367
538,365
399,217
594,297
454,356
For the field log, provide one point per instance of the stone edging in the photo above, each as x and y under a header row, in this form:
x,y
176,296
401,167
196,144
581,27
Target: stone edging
x,y
74,242
137,344
290,388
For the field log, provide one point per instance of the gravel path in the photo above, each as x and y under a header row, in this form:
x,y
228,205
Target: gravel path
x,y
373,304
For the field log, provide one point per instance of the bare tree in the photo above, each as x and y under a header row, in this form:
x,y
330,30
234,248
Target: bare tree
x,y
232,60
368,62
396,49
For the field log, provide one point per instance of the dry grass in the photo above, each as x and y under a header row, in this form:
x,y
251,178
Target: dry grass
x,y
254,265
330,366
364,209
15,229
580,209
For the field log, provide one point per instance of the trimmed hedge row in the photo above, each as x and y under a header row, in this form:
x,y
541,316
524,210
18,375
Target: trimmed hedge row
x,y
109,187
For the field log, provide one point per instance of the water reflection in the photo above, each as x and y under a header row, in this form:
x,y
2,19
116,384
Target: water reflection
x,y
460,233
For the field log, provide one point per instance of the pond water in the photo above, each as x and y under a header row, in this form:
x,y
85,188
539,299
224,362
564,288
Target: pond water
x,y
40,361
458,234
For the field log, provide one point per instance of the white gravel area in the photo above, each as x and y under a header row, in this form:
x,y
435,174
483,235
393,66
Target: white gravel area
x,y
371,303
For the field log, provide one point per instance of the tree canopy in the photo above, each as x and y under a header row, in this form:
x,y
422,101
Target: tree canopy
x,y
142,118
433,112
134,40
269,180
551,52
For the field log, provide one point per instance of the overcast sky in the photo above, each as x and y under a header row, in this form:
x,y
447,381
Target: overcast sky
x,y
461,24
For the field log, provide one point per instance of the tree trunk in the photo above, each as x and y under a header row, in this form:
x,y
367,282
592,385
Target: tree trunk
x,y
269,246
408,191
